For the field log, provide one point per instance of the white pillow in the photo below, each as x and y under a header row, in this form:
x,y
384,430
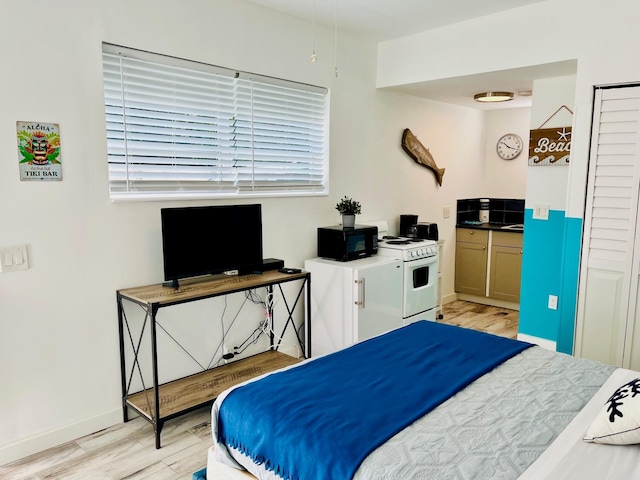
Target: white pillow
x,y
618,423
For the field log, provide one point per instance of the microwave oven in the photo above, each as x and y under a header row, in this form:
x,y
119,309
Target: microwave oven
x,y
345,244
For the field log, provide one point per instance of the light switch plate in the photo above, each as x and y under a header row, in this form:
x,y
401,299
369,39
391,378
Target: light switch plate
x,y
541,212
13,258
446,212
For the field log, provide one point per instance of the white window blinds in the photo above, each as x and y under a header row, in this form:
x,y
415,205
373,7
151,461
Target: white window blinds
x,y
182,129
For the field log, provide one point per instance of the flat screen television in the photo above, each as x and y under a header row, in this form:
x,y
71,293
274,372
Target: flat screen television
x,y
212,239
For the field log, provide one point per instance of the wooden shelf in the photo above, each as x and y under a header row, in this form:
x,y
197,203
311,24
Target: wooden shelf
x,y
184,394
201,388
200,288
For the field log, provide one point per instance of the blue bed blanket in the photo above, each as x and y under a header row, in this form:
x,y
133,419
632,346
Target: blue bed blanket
x,y
322,418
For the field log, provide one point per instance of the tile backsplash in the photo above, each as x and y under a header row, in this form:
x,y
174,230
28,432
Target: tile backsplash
x,y
468,210
504,211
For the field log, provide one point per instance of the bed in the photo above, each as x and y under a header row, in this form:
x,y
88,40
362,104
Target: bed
x,y
431,401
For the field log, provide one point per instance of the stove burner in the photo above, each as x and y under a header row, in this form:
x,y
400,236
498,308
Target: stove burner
x,y
389,237
398,242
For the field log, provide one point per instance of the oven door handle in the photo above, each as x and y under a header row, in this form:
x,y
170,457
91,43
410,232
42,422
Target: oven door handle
x,y
361,290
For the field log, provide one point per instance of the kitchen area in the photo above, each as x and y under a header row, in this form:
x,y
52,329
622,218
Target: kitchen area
x,y
454,210
488,251
368,280
371,278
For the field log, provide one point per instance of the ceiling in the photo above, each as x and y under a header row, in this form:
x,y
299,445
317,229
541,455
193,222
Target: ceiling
x,y
460,90
385,20
388,19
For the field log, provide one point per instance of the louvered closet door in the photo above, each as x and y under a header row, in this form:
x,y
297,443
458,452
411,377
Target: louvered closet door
x,y
608,299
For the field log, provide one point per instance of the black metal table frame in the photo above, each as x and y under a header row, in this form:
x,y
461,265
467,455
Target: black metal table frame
x,y
151,311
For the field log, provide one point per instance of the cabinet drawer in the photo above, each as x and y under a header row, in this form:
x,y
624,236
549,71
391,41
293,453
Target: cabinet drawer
x,y
472,235
507,239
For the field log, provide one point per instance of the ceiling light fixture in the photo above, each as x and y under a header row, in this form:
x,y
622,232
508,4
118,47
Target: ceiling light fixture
x,y
488,97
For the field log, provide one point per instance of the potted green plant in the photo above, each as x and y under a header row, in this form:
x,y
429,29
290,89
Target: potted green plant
x,y
348,208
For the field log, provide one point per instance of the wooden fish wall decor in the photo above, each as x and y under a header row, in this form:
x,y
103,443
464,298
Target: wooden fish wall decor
x,y
420,154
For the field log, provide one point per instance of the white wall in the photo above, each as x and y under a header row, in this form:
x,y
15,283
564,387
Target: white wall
x,y
547,185
601,37
602,40
515,38
411,188
505,178
59,347
58,320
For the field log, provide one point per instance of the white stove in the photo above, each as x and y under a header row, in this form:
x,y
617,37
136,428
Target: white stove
x,y
420,275
419,272
407,249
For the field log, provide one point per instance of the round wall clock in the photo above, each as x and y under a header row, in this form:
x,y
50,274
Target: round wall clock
x,y
509,146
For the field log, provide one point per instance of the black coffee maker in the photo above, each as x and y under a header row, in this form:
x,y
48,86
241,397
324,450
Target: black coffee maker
x,y
406,222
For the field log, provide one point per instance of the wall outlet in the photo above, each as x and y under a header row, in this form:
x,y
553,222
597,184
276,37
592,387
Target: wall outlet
x,y
446,212
228,346
553,302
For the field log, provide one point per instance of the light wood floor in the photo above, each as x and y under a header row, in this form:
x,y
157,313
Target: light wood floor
x,y
127,450
499,321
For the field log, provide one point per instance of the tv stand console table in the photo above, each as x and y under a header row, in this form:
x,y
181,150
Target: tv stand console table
x,y
159,403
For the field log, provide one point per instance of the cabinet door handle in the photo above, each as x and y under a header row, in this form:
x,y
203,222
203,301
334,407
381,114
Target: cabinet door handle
x,y
484,247
361,290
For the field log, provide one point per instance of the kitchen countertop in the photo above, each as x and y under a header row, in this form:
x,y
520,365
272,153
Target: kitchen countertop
x,y
517,228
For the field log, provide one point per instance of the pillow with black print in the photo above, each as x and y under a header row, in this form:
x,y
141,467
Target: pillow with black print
x,y
618,423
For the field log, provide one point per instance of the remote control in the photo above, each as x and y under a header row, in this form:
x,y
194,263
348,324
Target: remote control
x,y
289,270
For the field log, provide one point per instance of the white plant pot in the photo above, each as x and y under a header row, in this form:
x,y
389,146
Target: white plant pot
x,y
348,221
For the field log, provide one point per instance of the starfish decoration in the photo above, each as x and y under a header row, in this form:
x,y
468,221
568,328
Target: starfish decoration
x,y
564,135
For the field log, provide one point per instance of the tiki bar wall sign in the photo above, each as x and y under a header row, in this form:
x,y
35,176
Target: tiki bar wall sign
x,y
39,151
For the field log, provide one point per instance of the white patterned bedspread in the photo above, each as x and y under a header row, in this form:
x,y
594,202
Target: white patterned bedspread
x,y
493,429
571,458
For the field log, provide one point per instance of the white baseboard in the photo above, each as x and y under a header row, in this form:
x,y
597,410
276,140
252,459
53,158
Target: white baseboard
x,y
542,342
488,301
38,443
452,297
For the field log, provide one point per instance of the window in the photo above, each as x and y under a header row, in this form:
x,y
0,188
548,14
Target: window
x,y
183,129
